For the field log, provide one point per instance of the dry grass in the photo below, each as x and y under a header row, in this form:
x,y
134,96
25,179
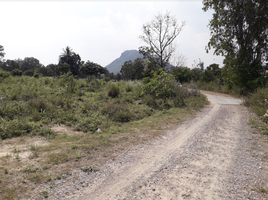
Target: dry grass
x,y
50,159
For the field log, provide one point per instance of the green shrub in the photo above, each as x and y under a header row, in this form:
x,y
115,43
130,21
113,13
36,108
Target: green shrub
x,y
114,91
106,79
129,88
4,74
158,85
119,113
16,72
88,124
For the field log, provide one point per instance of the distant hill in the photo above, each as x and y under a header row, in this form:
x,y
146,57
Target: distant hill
x,y
115,66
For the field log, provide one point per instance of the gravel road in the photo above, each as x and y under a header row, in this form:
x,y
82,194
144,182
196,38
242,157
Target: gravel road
x,y
208,157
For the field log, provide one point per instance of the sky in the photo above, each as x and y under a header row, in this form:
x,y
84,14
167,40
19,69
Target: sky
x,y
99,31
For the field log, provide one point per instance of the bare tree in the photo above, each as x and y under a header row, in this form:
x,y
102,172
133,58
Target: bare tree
x,y
160,34
179,60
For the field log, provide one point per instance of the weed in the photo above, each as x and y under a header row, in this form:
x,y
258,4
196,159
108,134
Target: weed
x,y
44,193
58,176
77,157
52,185
29,170
6,171
88,169
263,190
49,178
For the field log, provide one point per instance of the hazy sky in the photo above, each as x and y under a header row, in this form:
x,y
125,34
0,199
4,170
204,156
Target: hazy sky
x,y
98,31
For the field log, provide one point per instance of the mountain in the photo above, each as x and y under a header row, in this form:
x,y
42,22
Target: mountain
x,y
115,66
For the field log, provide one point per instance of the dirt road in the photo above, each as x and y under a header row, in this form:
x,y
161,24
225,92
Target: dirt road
x,y
208,157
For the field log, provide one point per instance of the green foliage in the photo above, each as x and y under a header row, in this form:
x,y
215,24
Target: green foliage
x,y
31,106
16,72
2,54
114,91
181,74
239,32
117,112
30,63
70,58
159,85
92,69
88,169
133,70
4,74
258,102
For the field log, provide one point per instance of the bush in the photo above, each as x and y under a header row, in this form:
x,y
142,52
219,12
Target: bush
x,y
16,72
158,85
4,74
114,91
119,113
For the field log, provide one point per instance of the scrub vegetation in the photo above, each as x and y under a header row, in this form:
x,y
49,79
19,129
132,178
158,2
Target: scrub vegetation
x,y
57,124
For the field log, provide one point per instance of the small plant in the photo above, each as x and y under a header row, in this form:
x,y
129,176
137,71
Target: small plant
x,y
17,156
88,169
58,177
52,185
263,190
43,193
77,157
29,170
23,180
6,171
74,147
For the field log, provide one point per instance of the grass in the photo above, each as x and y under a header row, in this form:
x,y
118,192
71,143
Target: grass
x,y
31,109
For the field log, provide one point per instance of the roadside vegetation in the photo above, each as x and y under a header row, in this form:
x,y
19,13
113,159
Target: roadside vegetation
x,y
77,121
77,115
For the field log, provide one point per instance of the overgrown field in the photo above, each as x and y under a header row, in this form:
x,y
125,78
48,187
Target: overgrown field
x,y
50,126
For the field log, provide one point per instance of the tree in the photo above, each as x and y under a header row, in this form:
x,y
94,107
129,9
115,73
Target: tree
x,y
127,70
2,54
239,31
181,74
16,72
10,65
160,34
45,71
63,68
30,63
53,67
71,58
92,69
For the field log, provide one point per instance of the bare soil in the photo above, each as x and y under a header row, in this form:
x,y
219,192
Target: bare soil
x,y
216,155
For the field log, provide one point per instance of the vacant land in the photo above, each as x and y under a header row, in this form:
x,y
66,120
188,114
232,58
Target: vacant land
x,y
52,127
215,155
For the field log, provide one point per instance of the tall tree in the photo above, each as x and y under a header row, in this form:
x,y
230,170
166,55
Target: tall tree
x,y
160,34
239,31
2,54
72,59
127,70
30,63
92,69
10,65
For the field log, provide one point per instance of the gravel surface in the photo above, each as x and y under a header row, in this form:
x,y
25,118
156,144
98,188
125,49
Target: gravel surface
x,y
208,157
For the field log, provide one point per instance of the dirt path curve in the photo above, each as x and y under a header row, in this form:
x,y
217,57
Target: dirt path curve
x,y
207,157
